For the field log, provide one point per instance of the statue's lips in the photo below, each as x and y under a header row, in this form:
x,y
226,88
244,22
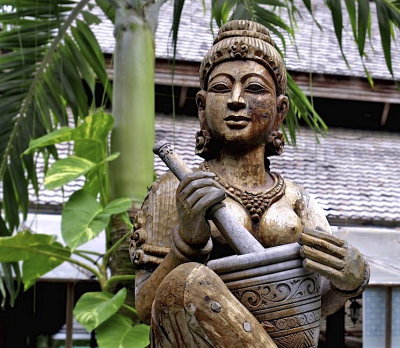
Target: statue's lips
x,y
237,122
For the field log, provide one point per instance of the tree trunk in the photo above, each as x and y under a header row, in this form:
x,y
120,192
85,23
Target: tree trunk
x,y
133,110
133,107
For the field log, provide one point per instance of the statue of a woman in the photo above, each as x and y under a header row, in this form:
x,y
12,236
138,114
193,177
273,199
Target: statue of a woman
x,y
241,106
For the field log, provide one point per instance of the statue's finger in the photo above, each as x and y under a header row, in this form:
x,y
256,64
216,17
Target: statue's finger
x,y
198,194
323,245
321,257
321,269
193,176
325,236
193,186
209,200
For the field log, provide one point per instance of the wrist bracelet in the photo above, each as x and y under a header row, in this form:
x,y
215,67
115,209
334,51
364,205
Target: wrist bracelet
x,y
357,291
188,252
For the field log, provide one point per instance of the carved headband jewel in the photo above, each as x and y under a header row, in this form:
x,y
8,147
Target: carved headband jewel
x,y
255,203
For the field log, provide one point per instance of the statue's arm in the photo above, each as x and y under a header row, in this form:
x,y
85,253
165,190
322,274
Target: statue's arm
x,y
344,271
174,216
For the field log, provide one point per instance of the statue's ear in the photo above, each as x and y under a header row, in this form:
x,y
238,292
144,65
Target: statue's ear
x,y
282,105
201,100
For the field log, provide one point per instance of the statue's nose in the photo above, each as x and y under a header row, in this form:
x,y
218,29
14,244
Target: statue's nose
x,y
236,101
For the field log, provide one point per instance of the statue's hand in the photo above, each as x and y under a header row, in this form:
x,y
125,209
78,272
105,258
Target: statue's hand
x,y
333,258
196,193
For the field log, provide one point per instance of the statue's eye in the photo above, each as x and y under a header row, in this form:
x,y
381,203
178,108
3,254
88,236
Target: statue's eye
x,y
255,88
219,87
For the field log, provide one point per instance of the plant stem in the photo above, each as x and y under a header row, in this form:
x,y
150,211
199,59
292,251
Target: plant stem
x,y
113,247
129,308
116,279
89,252
81,264
76,252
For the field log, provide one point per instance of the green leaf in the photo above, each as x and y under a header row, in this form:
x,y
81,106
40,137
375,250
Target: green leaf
x,y
126,219
83,218
40,253
66,170
59,136
178,6
351,9
117,206
107,8
119,332
90,18
91,136
93,308
38,265
337,17
362,24
385,28
20,246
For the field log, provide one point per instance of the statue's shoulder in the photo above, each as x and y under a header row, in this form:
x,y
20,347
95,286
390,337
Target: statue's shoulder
x,y
155,223
306,207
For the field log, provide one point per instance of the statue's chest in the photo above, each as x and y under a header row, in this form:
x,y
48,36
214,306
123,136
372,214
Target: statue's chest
x,y
278,225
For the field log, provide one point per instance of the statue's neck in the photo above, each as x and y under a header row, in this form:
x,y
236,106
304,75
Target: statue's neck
x,y
244,170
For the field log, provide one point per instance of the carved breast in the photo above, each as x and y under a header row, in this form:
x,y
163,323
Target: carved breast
x,y
280,224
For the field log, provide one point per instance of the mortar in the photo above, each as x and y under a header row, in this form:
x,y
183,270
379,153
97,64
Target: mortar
x,y
283,296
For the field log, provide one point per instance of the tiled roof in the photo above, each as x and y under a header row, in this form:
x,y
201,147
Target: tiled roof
x,y
313,50
353,174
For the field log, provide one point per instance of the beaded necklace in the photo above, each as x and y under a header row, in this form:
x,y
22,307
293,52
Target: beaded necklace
x,y
255,203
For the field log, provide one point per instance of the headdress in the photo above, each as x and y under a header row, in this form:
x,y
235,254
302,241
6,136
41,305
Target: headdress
x,y
243,39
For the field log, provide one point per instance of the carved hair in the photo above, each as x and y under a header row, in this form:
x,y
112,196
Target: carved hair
x,y
241,40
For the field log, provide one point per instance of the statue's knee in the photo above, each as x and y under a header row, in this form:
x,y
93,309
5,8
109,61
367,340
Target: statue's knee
x,y
172,288
184,284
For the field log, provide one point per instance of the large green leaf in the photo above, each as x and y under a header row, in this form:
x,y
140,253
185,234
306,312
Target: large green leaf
x,y
118,206
119,332
66,170
90,138
40,253
69,169
83,217
38,265
93,308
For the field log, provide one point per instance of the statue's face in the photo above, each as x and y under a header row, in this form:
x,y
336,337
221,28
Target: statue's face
x,y
241,106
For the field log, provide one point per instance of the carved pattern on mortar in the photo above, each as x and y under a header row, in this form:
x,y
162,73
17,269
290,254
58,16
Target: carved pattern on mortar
x,y
307,339
293,321
265,294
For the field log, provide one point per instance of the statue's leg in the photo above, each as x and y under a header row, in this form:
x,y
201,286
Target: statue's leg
x,y
193,308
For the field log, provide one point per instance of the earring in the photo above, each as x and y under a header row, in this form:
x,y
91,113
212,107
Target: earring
x,y
203,139
276,144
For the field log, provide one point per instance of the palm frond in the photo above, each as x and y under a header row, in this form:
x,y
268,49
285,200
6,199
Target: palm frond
x,y
44,70
359,12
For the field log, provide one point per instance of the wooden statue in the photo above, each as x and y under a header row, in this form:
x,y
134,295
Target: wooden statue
x,y
234,255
